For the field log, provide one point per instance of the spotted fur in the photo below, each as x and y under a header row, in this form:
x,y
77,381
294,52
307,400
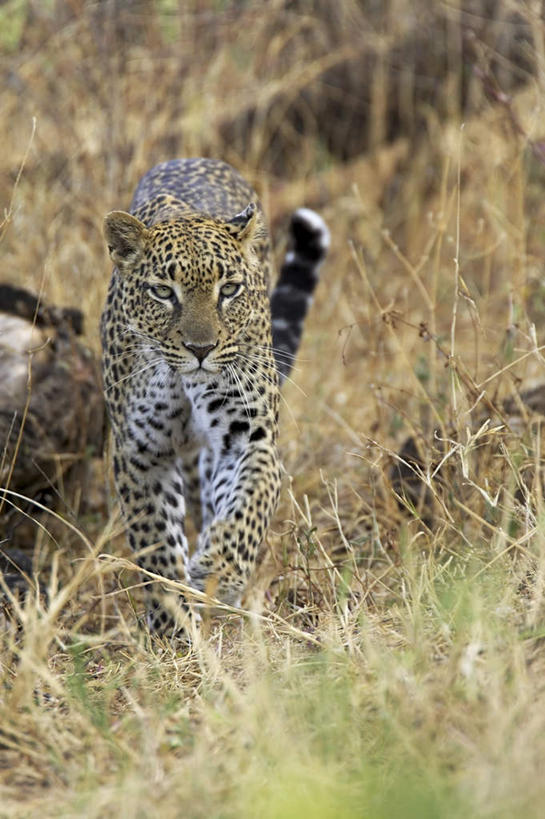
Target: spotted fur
x,y
190,379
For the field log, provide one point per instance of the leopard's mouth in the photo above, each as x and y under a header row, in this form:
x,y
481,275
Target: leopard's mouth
x,y
188,367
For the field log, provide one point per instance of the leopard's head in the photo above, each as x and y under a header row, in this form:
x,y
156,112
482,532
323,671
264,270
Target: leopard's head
x,y
191,285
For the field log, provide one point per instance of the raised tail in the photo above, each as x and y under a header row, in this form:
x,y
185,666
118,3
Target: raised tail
x,y
292,296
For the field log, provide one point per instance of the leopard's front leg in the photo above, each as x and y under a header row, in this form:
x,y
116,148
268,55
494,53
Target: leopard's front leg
x,y
244,489
149,477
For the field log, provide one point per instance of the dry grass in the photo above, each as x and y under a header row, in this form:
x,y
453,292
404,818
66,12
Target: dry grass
x,y
391,661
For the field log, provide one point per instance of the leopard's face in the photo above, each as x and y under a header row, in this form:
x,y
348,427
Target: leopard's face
x,y
190,289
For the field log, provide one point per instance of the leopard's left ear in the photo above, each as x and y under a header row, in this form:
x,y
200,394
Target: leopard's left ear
x,y
246,225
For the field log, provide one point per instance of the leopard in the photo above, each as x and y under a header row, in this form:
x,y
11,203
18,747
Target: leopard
x,y
195,347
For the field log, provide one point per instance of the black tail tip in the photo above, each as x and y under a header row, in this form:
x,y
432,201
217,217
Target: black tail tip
x,y
310,235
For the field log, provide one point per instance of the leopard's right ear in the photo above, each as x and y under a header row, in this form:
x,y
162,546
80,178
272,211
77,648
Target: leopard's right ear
x,y
125,236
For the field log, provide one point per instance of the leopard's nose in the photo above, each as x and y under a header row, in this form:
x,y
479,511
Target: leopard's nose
x,y
200,351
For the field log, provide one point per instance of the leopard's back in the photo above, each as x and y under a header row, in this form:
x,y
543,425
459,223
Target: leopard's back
x,y
204,185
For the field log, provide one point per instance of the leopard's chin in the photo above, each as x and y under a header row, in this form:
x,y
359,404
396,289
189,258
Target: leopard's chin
x,y
199,375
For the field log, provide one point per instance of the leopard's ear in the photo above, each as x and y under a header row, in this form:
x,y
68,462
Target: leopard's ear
x,y
246,225
125,236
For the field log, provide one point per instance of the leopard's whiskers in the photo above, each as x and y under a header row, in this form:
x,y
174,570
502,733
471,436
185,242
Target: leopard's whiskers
x,y
255,368
278,351
133,373
241,389
256,357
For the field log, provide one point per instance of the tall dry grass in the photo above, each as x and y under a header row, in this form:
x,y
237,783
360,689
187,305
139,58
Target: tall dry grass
x,y
390,661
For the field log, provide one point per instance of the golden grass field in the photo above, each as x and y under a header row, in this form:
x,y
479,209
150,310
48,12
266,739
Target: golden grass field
x,y
391,658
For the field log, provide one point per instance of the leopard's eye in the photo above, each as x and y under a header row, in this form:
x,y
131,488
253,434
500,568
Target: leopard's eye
x,y
230,290
162,292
